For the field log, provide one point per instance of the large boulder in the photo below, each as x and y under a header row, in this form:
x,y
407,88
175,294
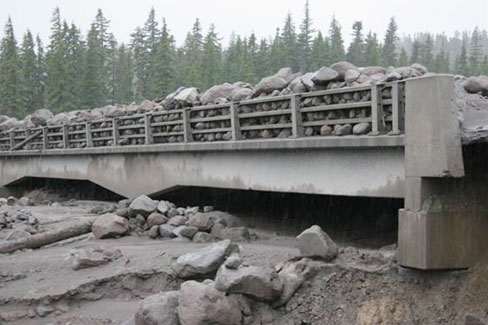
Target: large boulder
x,y
475,85
202,303
286,73
158,309
41,116
296,85
239,94
110,225
420,68
202,221
372,70
10,123
188,96
235,234
205,261
115,112
60,118
3,118
341,68
314,242
261,283
307,81
156,219
269,84
324,76
143,205
292,274
217,91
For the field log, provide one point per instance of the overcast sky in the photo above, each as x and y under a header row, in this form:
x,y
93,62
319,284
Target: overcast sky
x,y
244,17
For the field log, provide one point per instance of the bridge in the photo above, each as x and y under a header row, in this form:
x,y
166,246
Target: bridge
x,y
405,143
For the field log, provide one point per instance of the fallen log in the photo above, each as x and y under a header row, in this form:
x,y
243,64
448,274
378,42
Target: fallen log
x,y
45,238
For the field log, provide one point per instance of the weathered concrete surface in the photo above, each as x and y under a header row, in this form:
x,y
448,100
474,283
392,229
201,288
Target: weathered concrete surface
x,y
356,171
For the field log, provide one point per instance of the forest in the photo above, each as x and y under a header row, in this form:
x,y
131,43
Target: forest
x,y
78,71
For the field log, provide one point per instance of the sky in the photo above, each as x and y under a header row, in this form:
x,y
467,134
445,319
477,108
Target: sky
x,y
244,17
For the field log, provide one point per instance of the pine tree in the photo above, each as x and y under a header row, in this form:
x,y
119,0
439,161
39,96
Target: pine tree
x,y
462,61
305,40
151,36
289,44
337,52
427,52
262,59
275,54
28,65
372,52
123,90
94,81
138,49
211,59
475,53
355,53
252,50
403,58
388,53
416,49
75,55
319,53
193,56
40,85
10,75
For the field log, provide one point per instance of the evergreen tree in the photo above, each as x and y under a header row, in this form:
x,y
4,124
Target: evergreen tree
x,y
319,53
28,65
151,37
138,49
462,62
372,52
355,53
94,81
305,40
388,53
475,53
289,44
10,75
123,90
74,61
262,59
211,59
252,51
403,58
416,48
337,52
193,56
276,54
427,52
40,85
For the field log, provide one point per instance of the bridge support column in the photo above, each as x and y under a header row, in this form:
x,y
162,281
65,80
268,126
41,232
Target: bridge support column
x,y
445,219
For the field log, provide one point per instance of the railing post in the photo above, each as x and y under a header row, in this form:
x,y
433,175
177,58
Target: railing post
x,y
396,112
65,136
115,131
376,111
296,117
88,135
12,139
234,123
186,125
45,139
147,128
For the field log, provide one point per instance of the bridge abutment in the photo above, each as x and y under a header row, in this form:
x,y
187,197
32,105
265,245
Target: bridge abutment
x,y
445,219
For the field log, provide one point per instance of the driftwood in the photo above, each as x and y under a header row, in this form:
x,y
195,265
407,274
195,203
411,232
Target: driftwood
x,y
45,238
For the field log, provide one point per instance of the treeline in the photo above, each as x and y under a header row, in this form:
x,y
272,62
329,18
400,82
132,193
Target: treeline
x,y
75,71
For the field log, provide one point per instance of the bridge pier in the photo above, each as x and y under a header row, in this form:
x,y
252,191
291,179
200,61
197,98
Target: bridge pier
x,y
445,219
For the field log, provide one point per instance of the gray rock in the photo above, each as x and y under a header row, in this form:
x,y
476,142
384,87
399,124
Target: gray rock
x,y
91,257
292,275
314,242
3,201
116,112
201,221
235,234
326,130
17,234
286,73
307,81
296,85
352,75
233,261
154,232
164,207
143,205
377,77
369,71
393,76
41,116
124,213
217,91
420,68
110,225
269,84
205,261
11,200
261,283
201,303
172,212
324,76
185,231
156,219
474,320
217,229
26,201
208,208
239,94
341,68
166,231
188,96
343,129
361,128
177,221
44,310
475,85
158,309
204,238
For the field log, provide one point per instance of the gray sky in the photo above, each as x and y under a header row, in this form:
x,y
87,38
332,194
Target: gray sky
x,y
243,17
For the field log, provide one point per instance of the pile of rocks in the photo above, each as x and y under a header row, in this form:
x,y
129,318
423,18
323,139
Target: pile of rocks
x,y
162,219
231,291
15,216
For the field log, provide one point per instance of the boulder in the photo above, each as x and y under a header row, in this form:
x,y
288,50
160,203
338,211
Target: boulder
x,y
205,261
369,71
201,221
314,242
185,231
296,85
60,118
475,85
115,112
188,96
233,261
156,219
343,129
292,274
158,309
217,91
164,206
3,118
326,130
91,257
26,201
177,221
307,81
239,94
420,68
143,205
153,232
11,200
324,76
204,238
392,76
361,128
261,283
341,68
286,73
41,116
235,234
166,231
201,303
351,75
8,124
269,84
110,225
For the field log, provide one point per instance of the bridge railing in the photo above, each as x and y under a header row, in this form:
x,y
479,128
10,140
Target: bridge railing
x,y
380,108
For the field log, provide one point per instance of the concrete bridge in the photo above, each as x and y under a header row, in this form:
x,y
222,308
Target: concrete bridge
x,y
412,151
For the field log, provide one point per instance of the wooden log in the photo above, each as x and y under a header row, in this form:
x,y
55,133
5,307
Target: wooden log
x,y
45,238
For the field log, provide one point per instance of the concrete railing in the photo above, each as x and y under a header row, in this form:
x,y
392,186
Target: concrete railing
x,y
290,116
